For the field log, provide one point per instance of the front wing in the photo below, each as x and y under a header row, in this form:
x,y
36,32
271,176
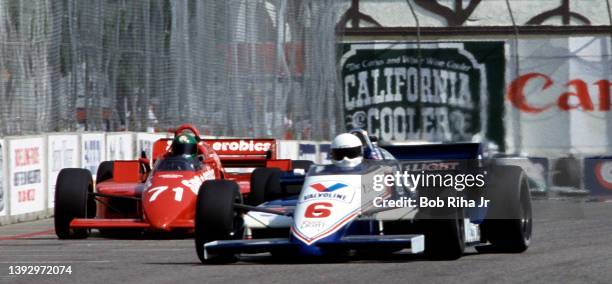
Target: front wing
x,y
415,244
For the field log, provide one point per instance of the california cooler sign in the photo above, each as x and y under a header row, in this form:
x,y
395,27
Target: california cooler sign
x,y
386,93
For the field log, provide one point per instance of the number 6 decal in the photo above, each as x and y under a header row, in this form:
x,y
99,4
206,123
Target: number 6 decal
x,y
318,210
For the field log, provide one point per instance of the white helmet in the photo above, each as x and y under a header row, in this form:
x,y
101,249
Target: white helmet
x,y
346,150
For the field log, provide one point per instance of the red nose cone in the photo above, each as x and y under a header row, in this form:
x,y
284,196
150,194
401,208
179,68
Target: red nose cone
x,y
168,200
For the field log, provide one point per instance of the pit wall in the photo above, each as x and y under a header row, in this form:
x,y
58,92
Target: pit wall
x,y
29,166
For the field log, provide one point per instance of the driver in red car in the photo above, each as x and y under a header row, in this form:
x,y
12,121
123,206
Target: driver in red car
x,y
185,144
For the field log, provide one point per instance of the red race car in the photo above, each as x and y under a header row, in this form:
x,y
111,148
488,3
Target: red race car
x,y
137,196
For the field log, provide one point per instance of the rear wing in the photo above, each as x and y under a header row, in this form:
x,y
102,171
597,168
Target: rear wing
x,y
454,151
236,153
244,152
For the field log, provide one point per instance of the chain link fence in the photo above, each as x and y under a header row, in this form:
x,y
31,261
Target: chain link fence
x,y
236,68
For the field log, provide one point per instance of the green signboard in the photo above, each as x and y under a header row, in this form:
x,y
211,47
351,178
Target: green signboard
x,y
446,92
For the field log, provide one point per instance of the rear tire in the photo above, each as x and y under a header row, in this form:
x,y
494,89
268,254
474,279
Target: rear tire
x,y
265,186
508,224
72,200
216,218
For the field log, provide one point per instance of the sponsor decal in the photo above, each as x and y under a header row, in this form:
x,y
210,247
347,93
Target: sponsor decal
x,y
306,224
322,231
322,188
329,190
241,145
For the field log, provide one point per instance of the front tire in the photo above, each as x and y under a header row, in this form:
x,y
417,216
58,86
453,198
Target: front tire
x,y
216,218
444,238
443,227
72,200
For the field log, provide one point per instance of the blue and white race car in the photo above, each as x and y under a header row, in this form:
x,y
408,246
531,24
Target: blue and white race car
x,y
335,213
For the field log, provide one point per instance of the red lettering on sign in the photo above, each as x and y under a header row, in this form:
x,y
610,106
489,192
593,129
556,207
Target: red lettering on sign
x,y
604,94
26,195
582,93
516,93
318,210
577,89
26,156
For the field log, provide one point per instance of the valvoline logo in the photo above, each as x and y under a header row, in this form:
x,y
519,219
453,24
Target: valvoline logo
x,y
328,190
322,188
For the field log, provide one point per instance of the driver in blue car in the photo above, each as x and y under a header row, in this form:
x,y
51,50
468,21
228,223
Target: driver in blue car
x,y
346,151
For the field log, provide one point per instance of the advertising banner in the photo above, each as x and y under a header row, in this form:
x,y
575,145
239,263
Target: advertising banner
x,y
440,92
27,175
558,95
62,152
308,151
120,146
93,151
288,150
598,175
3,191
144,142
324,153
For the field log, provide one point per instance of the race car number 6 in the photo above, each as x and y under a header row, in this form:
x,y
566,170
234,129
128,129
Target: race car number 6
x,y
318,210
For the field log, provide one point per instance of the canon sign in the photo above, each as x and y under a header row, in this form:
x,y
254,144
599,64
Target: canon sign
x,y
576,97
241,145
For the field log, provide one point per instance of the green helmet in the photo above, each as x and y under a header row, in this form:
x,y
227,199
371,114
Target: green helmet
x,y
185,144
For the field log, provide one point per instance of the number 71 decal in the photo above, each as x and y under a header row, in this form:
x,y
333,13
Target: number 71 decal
x,y
156,191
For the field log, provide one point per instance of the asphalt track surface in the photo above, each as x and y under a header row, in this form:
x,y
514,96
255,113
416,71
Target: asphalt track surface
x,y
572,243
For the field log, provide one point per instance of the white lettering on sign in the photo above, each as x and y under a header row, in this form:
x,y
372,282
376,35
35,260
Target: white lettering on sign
x,y
241,145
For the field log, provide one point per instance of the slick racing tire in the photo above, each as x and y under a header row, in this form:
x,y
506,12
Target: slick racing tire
x,y
216,218
265,186
508,224
105,171
72,200
444,238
